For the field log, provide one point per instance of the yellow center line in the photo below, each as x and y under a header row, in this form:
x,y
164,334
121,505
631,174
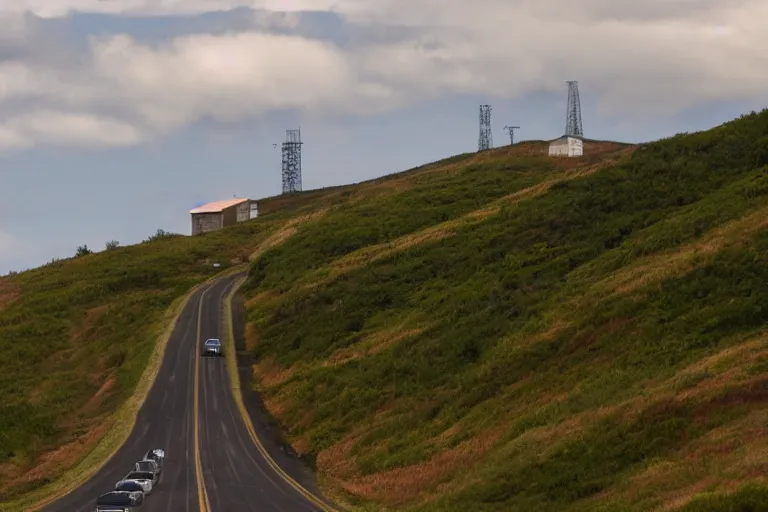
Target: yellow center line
x,y
202,493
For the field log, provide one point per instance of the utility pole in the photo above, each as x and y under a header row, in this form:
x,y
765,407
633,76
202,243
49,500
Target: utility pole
x,y
511,131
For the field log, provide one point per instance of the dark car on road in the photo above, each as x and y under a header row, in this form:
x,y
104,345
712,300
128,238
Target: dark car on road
x,y
212,347
119,501
147,479
129,486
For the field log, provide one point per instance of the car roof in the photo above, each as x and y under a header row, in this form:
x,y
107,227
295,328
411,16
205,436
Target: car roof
x,y
141,475
114,498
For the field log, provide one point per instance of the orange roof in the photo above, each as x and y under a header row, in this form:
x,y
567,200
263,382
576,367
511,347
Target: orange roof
x,y
218,206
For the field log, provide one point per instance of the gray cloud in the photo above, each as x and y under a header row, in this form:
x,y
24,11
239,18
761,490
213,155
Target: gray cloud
x,y
634,58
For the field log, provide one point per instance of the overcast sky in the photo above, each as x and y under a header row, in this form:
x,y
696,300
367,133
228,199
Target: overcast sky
x,y
118,116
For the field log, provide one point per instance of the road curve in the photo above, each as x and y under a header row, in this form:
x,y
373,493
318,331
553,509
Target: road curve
x,y
234,474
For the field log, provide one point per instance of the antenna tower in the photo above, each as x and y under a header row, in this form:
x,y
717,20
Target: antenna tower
x,y
292,161
573,126
486,136
511,131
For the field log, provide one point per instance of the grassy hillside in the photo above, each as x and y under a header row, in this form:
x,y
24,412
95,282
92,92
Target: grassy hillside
x,y
509,332
497,331
76,335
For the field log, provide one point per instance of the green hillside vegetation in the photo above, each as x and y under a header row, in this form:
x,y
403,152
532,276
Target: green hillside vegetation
x,y
507,334
497,331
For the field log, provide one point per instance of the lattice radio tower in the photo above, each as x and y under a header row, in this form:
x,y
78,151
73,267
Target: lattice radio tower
x,y
486,136
292,161
573,126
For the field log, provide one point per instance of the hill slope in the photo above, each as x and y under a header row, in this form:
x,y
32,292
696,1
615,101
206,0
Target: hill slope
x,y
589,336
496,331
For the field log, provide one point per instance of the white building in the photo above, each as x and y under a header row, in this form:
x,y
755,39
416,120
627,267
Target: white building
x,y
566,146
219,214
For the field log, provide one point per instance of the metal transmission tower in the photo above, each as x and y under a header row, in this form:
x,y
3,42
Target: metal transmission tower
x,y
511,131
573,126
486,136
292,161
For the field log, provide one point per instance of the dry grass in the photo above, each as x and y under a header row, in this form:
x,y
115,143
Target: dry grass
x,y
372,253
401,485
101,394
655,268
63,457
736,452
251,336
285,232
9,292
649,270
277,406
372,344
269,374
261,297
723,459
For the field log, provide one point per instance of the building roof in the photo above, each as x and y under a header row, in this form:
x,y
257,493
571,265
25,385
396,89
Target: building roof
x,y
217,206
566,137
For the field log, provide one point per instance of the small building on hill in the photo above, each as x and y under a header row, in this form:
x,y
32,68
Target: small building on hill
x,y
220,214
566,146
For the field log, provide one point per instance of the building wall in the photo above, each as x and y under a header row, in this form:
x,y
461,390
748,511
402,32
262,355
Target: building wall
x,y
566,146
229,216
204,222
243,211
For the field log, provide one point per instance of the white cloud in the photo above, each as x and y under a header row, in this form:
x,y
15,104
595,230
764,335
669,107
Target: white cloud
x,y
66,129
656,56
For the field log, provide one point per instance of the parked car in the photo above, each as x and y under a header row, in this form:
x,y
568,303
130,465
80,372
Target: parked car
x,y
212,347
129,486
157,455
148,465
119,501
144,478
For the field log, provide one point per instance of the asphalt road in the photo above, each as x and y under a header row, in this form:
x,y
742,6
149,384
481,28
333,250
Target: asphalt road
x,y
235,475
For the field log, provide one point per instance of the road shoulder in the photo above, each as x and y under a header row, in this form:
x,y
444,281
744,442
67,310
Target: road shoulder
x,y
250,403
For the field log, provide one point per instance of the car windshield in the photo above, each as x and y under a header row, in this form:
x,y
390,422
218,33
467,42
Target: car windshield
x,y
116,498
139,475
212,342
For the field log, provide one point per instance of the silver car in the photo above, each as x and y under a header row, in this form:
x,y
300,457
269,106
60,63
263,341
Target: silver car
x,y
157,455
150,466
212,347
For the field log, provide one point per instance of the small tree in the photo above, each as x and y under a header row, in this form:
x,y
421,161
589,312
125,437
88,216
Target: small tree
x,y
160,233
112,244
83,250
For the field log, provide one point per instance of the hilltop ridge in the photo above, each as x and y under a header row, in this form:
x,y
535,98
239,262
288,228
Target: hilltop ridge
x,y
494,331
